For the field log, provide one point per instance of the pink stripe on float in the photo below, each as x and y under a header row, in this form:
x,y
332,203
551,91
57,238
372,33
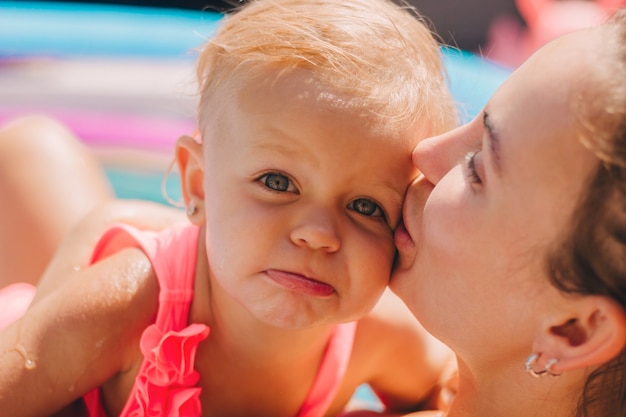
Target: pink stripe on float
x,y
99,128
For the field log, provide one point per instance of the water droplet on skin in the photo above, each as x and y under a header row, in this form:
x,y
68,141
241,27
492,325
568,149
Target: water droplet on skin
x,y
29,364
76,268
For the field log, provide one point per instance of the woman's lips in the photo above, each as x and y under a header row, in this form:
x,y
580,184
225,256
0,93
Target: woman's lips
x,y
300,283
405,245
402,237
412,212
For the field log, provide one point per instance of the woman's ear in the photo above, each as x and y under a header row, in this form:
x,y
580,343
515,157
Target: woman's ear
x,y
592,333
190,163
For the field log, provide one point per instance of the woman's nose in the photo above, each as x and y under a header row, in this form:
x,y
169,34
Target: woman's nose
x,y
437,155
316,230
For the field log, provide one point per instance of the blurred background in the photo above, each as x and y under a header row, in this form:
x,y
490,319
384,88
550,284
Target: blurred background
x,y
121,75
462,23
505,31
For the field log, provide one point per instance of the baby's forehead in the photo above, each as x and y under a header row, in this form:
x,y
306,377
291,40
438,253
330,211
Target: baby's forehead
x,y
273,92
305,86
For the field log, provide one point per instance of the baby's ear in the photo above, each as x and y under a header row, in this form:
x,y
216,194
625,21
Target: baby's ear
x,y
190,163
591,333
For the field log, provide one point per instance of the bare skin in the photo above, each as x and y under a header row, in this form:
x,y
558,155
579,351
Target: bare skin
x,y
38,162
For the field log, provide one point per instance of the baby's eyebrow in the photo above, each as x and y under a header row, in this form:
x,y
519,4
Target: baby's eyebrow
x,y
279,145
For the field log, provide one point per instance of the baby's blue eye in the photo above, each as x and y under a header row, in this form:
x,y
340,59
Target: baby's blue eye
x,y
278,182
366,207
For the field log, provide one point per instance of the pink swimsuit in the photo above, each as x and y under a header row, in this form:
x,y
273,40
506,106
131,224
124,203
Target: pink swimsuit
x,y
166,382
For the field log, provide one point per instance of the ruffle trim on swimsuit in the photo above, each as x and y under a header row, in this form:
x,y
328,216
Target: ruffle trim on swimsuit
x,y
167,387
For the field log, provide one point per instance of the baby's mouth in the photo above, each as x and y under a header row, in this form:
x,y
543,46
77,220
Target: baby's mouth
x,y
300,283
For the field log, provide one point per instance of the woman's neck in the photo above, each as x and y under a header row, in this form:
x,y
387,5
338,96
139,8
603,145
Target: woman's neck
x,y
511,392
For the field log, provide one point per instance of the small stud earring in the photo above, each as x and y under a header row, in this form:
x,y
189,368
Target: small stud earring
x,y
191,209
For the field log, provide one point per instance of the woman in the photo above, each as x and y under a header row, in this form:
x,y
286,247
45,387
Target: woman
x,y
514,251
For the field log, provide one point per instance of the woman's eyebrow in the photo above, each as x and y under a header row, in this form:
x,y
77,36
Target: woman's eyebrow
x,y
493,142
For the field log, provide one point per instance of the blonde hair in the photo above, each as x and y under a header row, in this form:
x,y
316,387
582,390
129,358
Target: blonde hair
x,y
380,54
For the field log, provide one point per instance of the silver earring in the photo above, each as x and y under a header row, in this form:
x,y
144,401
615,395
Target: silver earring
x,y
532,359
549,365
191,209
528,365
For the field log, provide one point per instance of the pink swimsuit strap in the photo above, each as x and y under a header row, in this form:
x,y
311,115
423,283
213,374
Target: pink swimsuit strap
x,y
166,384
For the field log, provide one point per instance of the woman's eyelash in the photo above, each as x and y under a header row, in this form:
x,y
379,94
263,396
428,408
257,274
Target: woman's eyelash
x,y
470,168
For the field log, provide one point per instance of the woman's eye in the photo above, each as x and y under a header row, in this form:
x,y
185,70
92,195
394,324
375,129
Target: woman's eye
x,y
470,168
278,182
366,207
